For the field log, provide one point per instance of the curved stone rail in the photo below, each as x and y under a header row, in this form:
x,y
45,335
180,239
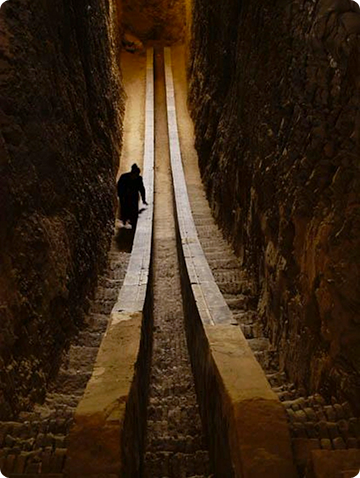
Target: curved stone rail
x,y
246,423
108,427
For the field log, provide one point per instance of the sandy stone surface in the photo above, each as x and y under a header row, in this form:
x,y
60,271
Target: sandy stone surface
x,y
133,68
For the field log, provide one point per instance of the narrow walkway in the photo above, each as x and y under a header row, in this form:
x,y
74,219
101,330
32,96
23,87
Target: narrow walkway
x,y
175,446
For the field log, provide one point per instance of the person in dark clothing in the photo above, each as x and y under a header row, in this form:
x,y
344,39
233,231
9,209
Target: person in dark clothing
x,y
129,186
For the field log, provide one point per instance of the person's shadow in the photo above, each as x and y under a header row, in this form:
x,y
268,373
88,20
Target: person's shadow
x,y
124,239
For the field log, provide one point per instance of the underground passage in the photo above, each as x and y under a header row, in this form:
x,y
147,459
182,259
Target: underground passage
x,y
216,332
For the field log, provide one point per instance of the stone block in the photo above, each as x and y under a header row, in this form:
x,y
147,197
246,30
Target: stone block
x,y
252,409
332,464
94,441
302,448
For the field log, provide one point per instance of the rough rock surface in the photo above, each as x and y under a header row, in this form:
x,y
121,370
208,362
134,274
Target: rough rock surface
x,y
274,94
60,111
155,19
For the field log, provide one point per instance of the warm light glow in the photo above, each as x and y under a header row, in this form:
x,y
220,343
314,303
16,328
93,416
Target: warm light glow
x,y
358,475
358,2
1,2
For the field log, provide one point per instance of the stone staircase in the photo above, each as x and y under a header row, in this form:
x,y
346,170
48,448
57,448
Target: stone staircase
x,y
314,423
36,442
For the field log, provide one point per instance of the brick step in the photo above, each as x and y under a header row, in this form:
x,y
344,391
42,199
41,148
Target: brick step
x,y
103,306
276,379
173,401
31,423
33,462
118,273
72,381
179,444
173,465
96,322
80,358
230,275
108,283
252,331
247,317
106,294
216,254
191,424
237,302
207,230
29,443
230,287
260,344
307,423
91,339
160,413
56,399
268,359
161,390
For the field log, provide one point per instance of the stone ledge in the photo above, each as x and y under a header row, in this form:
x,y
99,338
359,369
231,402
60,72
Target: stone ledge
x,y
94,441
258,432
333,463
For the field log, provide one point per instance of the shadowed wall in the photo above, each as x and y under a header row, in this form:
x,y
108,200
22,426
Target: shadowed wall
x,y
274,93
61,105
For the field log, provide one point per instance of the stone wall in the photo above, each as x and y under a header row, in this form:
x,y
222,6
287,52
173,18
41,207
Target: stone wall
x,y
274,94
61,106
161,20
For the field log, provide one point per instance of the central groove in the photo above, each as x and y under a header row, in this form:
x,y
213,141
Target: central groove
x,y
175,444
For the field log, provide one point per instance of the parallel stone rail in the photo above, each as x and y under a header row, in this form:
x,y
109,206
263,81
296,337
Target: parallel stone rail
x,y
108,430
247,425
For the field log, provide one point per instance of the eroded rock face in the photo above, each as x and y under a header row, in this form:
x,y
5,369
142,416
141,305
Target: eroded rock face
x,y
274,92
162,20
60,111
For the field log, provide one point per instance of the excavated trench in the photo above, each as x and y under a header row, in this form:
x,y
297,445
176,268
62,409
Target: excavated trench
x,y
175,441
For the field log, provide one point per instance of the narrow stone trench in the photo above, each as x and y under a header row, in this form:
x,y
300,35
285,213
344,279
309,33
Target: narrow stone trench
x,y
175,444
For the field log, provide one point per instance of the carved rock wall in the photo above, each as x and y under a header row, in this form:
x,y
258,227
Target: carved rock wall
x,y
274,94
160,20
61,106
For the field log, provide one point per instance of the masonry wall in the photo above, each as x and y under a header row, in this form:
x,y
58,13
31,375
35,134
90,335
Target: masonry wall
x,y
274,94
61,106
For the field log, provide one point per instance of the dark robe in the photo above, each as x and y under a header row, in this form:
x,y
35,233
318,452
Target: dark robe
x,y
128,188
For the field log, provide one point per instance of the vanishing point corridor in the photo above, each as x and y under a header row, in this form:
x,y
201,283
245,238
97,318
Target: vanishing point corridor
x,y
219,338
